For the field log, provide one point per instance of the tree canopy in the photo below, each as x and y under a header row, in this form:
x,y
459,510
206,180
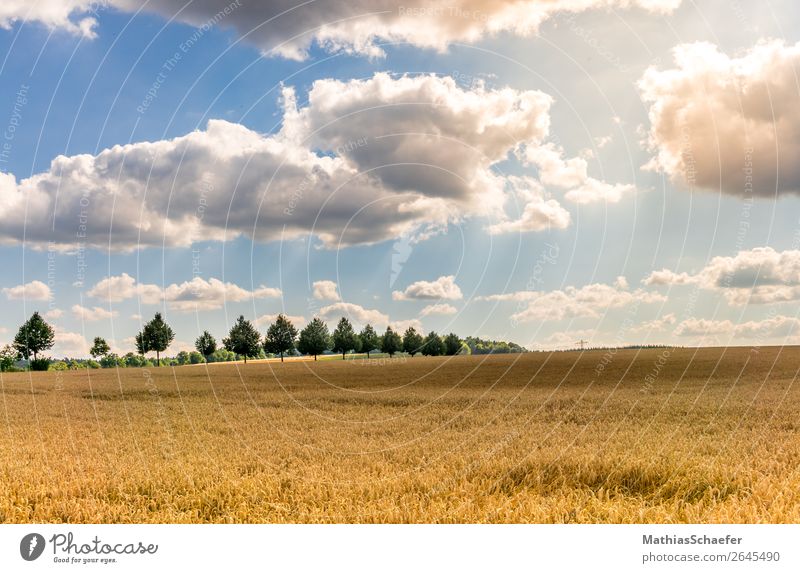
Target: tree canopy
x,y
412,341
281,336
391,342
33,337
345,338
314,338
206,344
243,339
369,339
99,347
157,335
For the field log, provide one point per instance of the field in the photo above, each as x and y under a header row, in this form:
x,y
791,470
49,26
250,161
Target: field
x,y
660,435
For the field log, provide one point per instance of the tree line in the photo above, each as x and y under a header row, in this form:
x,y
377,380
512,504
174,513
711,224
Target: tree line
x,y
244,341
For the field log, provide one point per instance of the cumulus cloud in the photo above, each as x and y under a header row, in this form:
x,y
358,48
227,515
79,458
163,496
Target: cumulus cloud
x,y
54,314
442,288
758,276
574,302
34,290
768,328
197,294
441,309
267,319
668,277
92,314
73,16
540,212
364,161
571,175
355,313
727,123
288,28
326,290
69,343
123,287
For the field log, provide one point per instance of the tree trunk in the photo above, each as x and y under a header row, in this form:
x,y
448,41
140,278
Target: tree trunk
x,y
315,358
342,354
158,358
281,355
245,358
367,353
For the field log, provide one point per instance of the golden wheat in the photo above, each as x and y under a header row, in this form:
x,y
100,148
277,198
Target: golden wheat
x,y
630,436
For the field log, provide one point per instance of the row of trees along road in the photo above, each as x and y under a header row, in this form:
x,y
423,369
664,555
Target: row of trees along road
x,y
36,336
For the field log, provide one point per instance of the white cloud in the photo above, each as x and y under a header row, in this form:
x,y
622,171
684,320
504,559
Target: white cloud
x,y
574,302
197,294
267,319
572,176
758,276
725,123
123,287
73,16
661,323
70,344
288,28
54,314
758,330
438,309
326,290
355,313
34,290
444,287
540,212
402,325
667,277
364,161
202,294
92,314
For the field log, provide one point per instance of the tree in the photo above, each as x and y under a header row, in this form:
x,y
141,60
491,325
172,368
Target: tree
x,y
391,342
33,337
412,341
281,336
433,345
243,339
157,336
141,344
8,357
100,347
345,338
205,344
314,338
369,339
452,344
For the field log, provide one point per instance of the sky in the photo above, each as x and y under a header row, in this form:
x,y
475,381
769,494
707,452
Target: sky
x,y
614,171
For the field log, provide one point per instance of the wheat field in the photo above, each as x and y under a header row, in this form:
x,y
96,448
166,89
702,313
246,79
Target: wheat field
x,y
657,435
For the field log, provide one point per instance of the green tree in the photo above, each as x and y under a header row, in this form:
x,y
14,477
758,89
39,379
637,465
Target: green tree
x,y
314,338
281,336
8,357
205,344
243,339
100,347
345,338
433,345
452,344
157,336
369,339
391,342
33,337
141,344
412,341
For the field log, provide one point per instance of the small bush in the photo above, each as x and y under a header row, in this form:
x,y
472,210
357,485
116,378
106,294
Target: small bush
x,y
40,364
59,366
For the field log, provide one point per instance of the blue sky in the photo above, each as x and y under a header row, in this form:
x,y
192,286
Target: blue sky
x,y
478,176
